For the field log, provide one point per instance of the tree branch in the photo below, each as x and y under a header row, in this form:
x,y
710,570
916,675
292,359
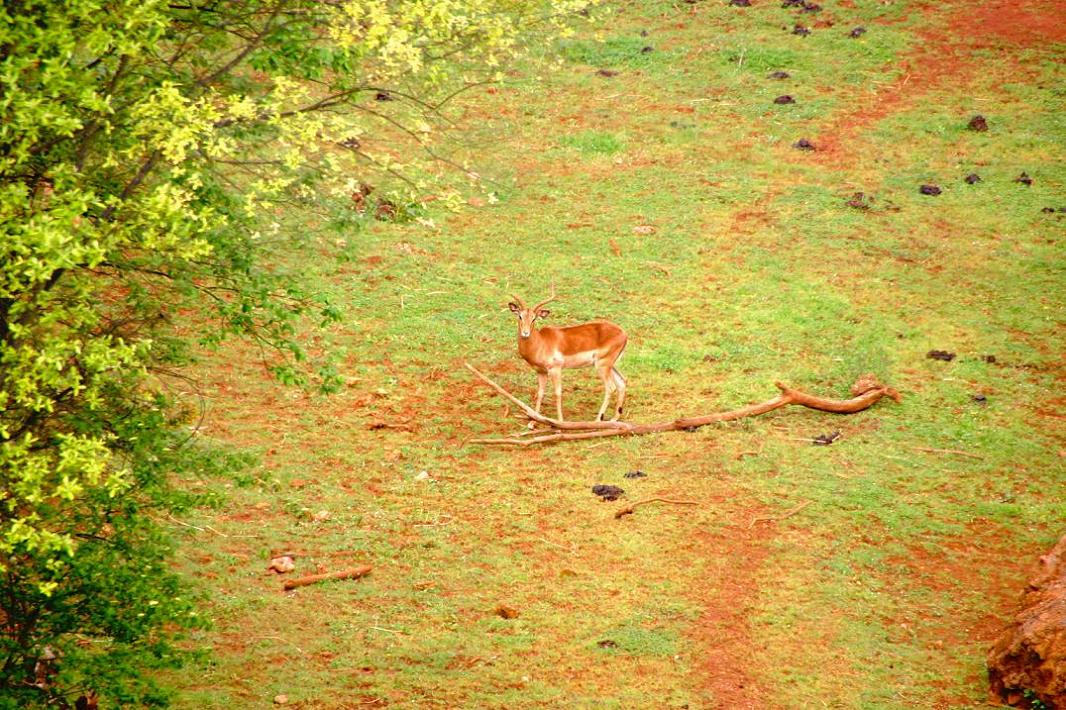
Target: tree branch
x,y
866,391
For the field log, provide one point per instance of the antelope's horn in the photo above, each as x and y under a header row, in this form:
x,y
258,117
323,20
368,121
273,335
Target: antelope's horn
x,y
549,300
518,301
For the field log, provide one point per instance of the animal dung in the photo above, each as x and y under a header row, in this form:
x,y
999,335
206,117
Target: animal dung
x,y
786,99
929,190
858,201
647,49
980,399
978,123
607,493
857,32
779,75
990,359
803,144
972,179
825,439
940,355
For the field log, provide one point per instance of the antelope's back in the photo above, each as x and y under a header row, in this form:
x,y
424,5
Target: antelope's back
x,y
595,335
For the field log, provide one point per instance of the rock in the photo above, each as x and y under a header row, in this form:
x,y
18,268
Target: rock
x,y
1027,663
282,564
786,99
779,75
1024,179
801,30
281,699
978,123
980,399
857,32
803,144
940,355
647,49
930,190
972,179
635,474
740,3
506,612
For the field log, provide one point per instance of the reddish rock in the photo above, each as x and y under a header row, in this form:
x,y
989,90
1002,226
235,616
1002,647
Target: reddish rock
x,y
1028,661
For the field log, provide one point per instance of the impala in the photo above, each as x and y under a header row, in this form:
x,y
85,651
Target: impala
x,y
549,350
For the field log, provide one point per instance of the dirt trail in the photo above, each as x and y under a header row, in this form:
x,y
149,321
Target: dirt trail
x,y
724,630
945,56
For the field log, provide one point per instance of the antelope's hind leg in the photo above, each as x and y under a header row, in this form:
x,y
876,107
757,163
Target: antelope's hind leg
x,y
607,377
620,387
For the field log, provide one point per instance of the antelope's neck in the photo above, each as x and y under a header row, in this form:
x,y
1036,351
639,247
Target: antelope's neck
x,y
529,348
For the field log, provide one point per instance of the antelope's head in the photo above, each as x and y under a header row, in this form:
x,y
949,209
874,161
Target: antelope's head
x,y
526,315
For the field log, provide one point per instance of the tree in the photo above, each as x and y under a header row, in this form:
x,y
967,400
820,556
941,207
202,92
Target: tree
x,y
144,150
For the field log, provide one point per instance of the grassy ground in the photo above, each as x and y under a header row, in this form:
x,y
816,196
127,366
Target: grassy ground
x,y
885,589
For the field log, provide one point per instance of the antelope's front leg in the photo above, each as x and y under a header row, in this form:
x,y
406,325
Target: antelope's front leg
x,y
556,373
542,379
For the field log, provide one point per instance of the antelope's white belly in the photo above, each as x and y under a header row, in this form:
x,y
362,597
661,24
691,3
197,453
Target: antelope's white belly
x,y
584,359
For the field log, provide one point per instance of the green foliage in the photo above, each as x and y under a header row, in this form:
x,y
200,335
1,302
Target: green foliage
x,y
593,142
146,152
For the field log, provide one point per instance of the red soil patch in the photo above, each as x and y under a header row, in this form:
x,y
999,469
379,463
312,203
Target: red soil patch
x,y
723,630
945,56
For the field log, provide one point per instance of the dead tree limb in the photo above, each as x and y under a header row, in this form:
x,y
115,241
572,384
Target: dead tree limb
x,y
866,391
353,573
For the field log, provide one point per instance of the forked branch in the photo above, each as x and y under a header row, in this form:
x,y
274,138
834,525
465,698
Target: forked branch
x,y
865,392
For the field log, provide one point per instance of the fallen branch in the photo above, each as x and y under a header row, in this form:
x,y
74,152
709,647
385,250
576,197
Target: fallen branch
x,y
773,518
866,391
354,573
628,510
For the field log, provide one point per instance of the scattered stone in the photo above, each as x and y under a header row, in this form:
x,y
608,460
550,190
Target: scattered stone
x,y
607,643
980,399
786,99
859,201
857,32
506,612
801,30
972,179
607,72
635,474
644,229
940,355
803,144
978,123
383,96
281,699
647,49
422,476
779,75
282,564
1024,179
740,3
991,359
929,190
607,492
321,516
825,439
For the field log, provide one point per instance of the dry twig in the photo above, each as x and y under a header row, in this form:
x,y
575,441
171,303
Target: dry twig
x,y
775,518
948,451
628,510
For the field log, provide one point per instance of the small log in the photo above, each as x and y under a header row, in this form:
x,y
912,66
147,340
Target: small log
x,y
354,573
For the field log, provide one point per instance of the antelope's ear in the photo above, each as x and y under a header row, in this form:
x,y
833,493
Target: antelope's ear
x,y
543,313
514,307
